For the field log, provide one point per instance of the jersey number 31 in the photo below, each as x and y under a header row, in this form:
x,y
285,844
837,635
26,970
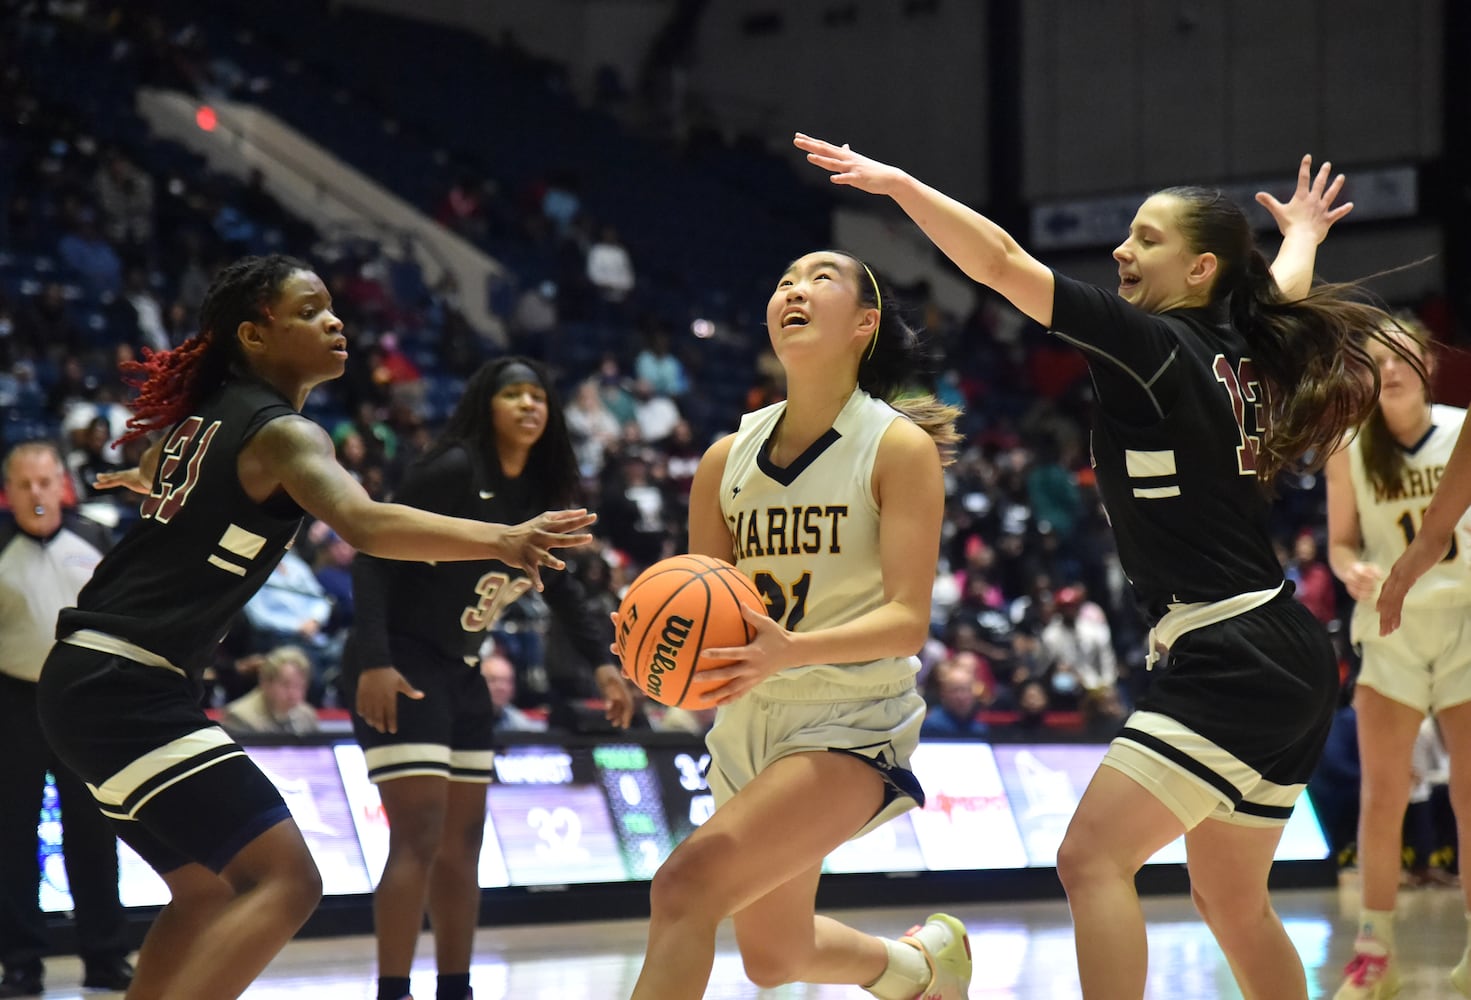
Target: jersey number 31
x,y
178,471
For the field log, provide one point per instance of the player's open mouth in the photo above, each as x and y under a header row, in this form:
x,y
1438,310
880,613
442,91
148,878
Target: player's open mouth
x,y
793,318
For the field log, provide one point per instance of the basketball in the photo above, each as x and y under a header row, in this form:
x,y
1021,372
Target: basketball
x,y
676,608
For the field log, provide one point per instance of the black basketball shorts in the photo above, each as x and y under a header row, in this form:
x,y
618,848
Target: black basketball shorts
x,y
178,789
1241,708
448,733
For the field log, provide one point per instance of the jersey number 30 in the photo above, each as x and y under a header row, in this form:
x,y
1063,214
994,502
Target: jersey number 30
x,y
1248,397
178,472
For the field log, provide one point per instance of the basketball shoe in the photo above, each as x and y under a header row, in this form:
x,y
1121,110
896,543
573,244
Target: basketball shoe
x,y
946,949
1370,975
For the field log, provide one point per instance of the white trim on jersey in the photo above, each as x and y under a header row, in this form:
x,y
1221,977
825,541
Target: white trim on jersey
x,y
238,541
226,565
101,642
1152,465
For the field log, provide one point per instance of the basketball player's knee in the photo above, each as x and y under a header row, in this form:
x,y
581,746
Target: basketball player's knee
x,y
686,882
416,838
461,845
301,884
1232,912
1080,862
768,968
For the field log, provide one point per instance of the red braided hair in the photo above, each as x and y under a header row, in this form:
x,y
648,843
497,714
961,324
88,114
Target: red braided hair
x,y
168,385
172,384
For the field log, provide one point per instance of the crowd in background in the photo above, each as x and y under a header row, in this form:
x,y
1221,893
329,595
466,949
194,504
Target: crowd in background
x,y
105,255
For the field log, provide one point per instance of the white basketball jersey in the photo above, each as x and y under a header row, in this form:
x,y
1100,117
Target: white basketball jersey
x,y
808,533
1388,520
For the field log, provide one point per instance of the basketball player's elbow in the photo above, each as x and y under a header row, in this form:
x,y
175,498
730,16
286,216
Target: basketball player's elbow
x,y
367,530
912,628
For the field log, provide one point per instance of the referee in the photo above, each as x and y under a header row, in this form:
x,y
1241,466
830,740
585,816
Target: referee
x,y
43,564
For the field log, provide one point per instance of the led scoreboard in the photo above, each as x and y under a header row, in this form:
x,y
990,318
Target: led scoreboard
x,y
570,814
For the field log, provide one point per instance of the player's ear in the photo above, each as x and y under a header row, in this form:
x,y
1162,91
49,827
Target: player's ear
x,y
252,337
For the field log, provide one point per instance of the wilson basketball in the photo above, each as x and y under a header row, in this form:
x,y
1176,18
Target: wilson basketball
x,y
675,609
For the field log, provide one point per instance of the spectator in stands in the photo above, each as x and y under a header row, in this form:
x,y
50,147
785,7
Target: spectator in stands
x,y
610,268
500,679
147,311
1051,491
278,705
657,365
44,328
90,459
534,319
1078,639
593,427
461,209
560,203
1033,704
86,252
613,387
125,198
291,608
1312,578
656,415
957,709
334,573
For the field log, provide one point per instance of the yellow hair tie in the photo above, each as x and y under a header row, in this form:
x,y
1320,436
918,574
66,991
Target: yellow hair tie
x,y
879,298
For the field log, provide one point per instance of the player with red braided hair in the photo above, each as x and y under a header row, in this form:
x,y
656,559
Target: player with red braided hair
x,y
226,487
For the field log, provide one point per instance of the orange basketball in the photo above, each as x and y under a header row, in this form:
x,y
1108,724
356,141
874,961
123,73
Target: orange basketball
x,y
675,609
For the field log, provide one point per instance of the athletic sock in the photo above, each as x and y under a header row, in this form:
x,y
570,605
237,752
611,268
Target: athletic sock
x,y
453,986
393,987
906,974
1377,925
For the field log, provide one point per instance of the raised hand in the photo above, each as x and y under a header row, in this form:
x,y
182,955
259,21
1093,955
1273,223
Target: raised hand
x,y
1311,208
849,168
527,546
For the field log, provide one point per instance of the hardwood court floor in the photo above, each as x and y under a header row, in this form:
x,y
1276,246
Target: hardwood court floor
x,y
1022,951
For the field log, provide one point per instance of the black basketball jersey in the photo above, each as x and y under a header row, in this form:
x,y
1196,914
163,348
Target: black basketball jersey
x,y
449,606
202,547
1175,438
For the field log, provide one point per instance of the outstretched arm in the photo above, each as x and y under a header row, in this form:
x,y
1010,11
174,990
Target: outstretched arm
x,y
1304,221
296,455
979,247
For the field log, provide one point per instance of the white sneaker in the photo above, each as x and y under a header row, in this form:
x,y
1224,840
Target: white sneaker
x,y
946,949
1370,975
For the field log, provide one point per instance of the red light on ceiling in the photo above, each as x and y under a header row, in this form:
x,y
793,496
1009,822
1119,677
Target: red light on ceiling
x,y
205,118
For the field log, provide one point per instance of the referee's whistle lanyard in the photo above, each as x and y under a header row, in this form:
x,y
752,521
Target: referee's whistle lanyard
x,y
1182,618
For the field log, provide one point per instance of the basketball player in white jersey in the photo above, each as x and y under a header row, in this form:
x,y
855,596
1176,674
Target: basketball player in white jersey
x,y
1379,485
832,502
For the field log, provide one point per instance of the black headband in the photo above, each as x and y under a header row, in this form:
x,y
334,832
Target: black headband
x,y
517,373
